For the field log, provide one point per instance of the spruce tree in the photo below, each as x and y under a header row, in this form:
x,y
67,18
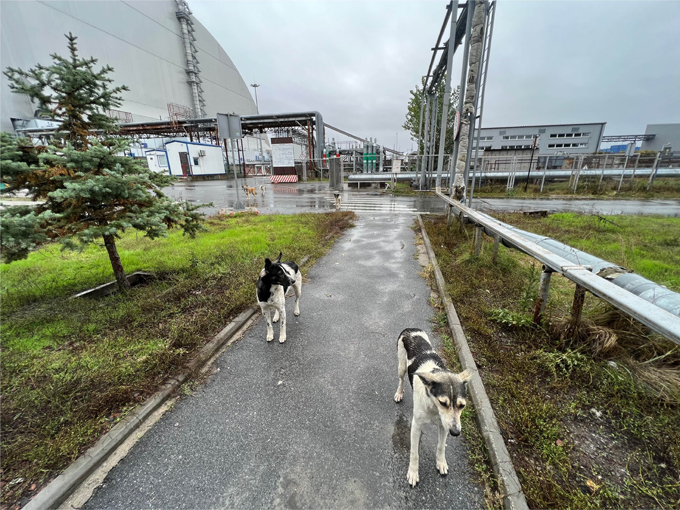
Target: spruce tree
x,y
88,190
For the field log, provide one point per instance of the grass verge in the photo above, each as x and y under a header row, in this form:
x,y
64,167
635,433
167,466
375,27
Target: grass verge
x,y
590,421
587,188
73,368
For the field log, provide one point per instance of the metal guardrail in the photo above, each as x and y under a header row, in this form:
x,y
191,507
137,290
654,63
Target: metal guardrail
x,y
648,314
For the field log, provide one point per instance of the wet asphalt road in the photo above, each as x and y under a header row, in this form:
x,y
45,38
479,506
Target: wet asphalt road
x,y
315,197
310,423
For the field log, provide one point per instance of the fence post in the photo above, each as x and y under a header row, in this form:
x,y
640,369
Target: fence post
x,y
545,169
636,165
576,311
578,173
478,240
654,170
602,174
543,290
625,164
496,242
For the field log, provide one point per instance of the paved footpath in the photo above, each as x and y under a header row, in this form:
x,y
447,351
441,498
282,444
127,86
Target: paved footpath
x,y
310,423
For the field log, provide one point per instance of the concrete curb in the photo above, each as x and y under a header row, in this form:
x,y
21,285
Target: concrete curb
x,y
68,481
513,497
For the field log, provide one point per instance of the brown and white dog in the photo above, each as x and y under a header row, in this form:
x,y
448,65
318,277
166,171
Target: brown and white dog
x,y
262,189
439,395
249,190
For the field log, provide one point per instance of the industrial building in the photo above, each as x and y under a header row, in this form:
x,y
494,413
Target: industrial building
x,y
170,62
553,138
665,135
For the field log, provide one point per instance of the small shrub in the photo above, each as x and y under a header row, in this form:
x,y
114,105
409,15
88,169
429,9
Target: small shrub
x,y
562,363
510,318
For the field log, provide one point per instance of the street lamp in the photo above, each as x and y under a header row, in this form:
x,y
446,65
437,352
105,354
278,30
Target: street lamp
x,y
255,85
257,106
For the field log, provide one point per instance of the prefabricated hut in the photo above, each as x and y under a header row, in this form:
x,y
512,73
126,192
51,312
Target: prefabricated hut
x,y
185,159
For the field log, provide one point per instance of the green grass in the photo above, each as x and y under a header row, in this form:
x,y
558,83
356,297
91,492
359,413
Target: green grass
x,y
587,188
543,386
72,368
648,245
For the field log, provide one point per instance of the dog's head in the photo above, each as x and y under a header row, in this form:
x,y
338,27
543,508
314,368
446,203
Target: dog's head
x,y
448,392
277,275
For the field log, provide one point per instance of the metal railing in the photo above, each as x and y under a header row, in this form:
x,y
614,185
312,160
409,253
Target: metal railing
x,y
643,311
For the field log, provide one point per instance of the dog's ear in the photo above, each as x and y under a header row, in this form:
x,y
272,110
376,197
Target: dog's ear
x,y
279,259
426,379
267,264
465,375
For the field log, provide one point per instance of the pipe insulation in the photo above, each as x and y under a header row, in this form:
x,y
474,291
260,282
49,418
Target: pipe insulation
x,y
619,276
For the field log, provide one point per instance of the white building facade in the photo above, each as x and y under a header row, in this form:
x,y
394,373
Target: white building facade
x,y
187,159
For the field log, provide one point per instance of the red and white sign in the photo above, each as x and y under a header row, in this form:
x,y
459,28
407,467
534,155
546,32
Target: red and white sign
x,y
275,179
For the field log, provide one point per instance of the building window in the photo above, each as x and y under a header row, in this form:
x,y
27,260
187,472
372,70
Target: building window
x,y
515,147
196,162
162,160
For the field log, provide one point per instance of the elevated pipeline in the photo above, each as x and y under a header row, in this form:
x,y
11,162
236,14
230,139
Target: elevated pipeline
x,y
550,174
619,276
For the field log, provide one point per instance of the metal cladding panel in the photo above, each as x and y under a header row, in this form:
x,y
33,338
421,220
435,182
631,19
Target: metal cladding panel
x,y
141,40
665,134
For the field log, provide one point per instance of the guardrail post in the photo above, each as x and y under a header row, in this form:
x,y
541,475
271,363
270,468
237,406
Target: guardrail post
x,y
478,240
496,242
543,290
461,227
576,310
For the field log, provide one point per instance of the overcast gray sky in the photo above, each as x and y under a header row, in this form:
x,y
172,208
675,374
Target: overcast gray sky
x,y
551,61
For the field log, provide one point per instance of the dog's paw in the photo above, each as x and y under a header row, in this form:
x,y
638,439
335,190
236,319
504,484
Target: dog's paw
x,y
412,477
398,396
275,319
297,314
270,337
442,467
282,339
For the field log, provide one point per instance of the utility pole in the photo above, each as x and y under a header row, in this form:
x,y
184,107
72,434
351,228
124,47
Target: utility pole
x,y
257,106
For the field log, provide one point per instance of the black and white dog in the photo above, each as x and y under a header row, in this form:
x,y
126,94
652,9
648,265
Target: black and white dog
x,y
274,281
439,395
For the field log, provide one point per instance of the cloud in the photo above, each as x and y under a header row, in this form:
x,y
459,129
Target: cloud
x,y
551,62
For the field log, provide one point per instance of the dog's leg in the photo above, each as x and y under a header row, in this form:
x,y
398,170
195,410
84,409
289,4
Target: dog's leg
x,y
270,328
297,287
412,475
442,466
401,352
276,315
282,327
